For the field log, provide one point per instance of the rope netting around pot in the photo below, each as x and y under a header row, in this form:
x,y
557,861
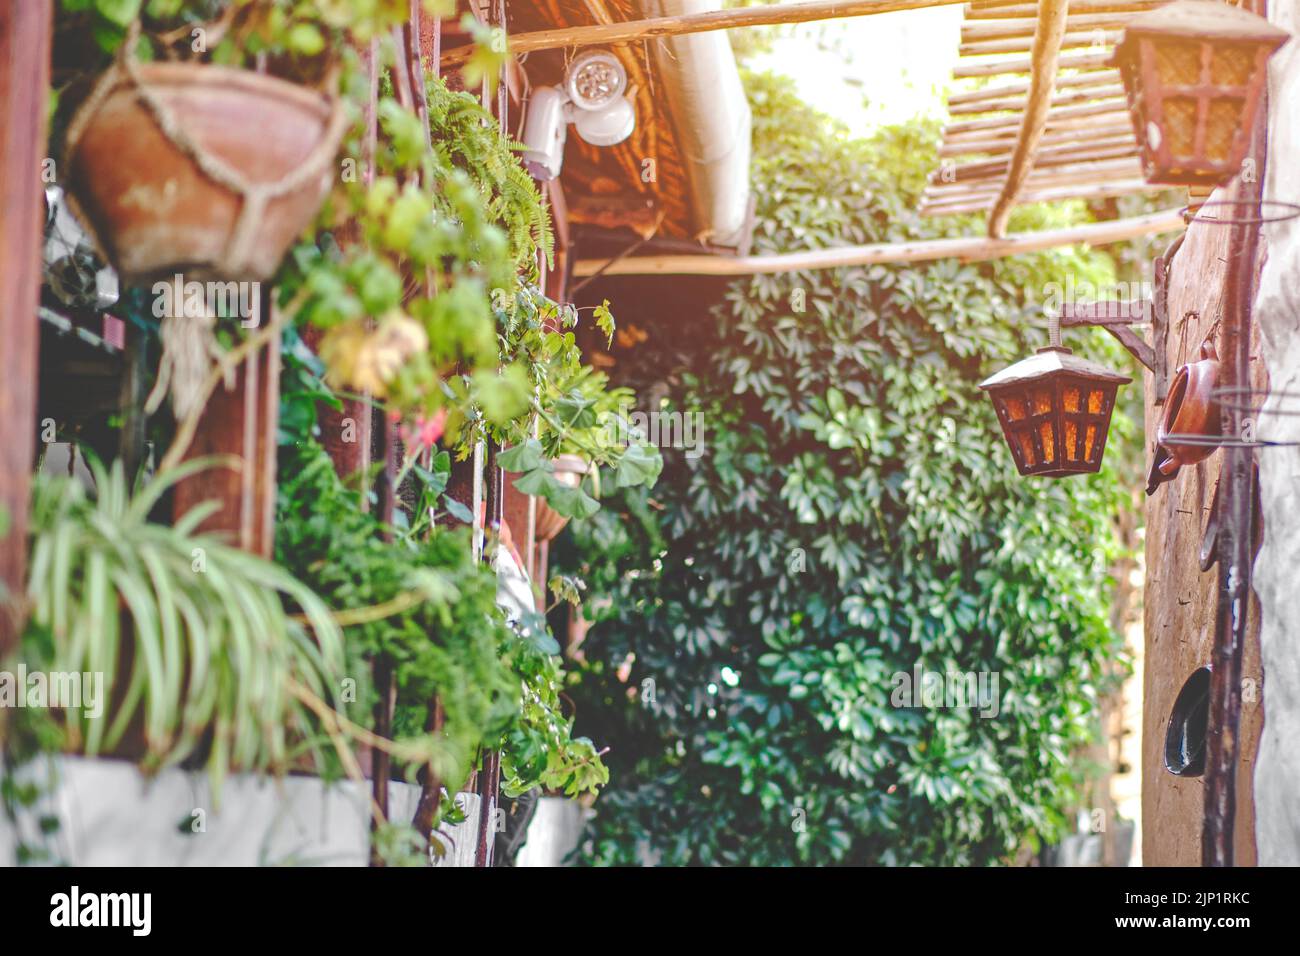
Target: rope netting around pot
x,y
198,169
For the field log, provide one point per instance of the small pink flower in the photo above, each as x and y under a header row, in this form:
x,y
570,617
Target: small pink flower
x,y
425,432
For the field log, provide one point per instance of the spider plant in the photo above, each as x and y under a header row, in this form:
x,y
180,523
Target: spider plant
x,y
196,639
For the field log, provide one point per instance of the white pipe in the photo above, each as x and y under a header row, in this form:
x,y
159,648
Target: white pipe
x,y
696,74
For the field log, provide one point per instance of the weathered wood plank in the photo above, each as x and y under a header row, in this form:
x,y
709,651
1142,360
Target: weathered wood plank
x,y
24,82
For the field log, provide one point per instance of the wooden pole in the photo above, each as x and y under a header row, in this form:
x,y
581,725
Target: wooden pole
x,y
1042,81
968,249
634,31
24,85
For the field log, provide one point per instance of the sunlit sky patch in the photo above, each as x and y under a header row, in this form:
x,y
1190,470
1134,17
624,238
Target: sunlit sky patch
x,y
871,71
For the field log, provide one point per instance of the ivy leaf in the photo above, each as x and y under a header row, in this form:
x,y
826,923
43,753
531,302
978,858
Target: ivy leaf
x,y
525,457
638,465
576,410
533,629
457,510
567,501
532,482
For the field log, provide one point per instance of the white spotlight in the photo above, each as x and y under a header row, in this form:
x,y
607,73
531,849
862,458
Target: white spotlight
x,y
595,79
593,99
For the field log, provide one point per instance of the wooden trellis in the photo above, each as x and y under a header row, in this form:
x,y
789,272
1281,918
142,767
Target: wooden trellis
x,y
1051,123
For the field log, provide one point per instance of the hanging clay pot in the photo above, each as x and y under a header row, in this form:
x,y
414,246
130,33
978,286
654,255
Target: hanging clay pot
x,y
1191,413
569,469
201,170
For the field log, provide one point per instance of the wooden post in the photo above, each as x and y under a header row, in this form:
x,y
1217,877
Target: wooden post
x,y
24,84
1048,37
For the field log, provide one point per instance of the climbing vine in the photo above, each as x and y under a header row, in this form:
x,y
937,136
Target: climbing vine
x,y
854,517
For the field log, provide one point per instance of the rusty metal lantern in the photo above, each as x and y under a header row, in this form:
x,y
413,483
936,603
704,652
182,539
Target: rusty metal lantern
x,y
1194,71
1055,410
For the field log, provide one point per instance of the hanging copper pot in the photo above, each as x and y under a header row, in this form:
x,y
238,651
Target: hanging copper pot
x,y
1191,427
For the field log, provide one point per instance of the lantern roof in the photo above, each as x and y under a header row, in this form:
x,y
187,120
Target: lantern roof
x,y
1048,362
1206,19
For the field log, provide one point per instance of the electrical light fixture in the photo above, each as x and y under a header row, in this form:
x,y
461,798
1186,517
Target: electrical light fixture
x,y
1055,409
593,98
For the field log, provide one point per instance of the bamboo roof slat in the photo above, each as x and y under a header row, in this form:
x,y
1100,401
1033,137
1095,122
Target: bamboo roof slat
x,y
998,146
1075,61
1023,44
1021,9
1024,27
1013,103
1074,81
1008,142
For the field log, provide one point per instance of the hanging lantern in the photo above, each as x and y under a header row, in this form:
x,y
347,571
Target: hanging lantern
x,y
1055,410
1194,71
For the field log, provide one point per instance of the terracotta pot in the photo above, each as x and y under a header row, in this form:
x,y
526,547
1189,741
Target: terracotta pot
x,y
570,469
152,208
1190,410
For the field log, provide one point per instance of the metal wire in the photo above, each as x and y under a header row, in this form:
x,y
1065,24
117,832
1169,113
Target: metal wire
x,y
1219,393
1212,441
1190,217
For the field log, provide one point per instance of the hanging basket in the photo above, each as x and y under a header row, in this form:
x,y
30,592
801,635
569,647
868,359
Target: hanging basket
x,y
201,170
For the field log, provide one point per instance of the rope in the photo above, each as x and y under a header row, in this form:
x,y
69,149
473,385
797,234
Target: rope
x,y
125,70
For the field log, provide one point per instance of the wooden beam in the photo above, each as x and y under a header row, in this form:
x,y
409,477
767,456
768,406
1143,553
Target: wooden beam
x,y
1042,81
25,30
242,423
634,31
966,249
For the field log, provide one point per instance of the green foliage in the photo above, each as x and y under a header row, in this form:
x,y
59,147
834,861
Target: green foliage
x,y
423,601
443,632
855,515
572,409
196,648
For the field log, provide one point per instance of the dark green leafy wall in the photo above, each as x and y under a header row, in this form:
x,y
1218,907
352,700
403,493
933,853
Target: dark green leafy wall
x,y
855,514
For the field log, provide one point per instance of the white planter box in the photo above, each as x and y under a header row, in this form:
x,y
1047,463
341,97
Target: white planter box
x,y
111,815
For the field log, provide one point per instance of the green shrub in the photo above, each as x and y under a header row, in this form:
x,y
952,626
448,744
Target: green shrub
x,y
855,515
